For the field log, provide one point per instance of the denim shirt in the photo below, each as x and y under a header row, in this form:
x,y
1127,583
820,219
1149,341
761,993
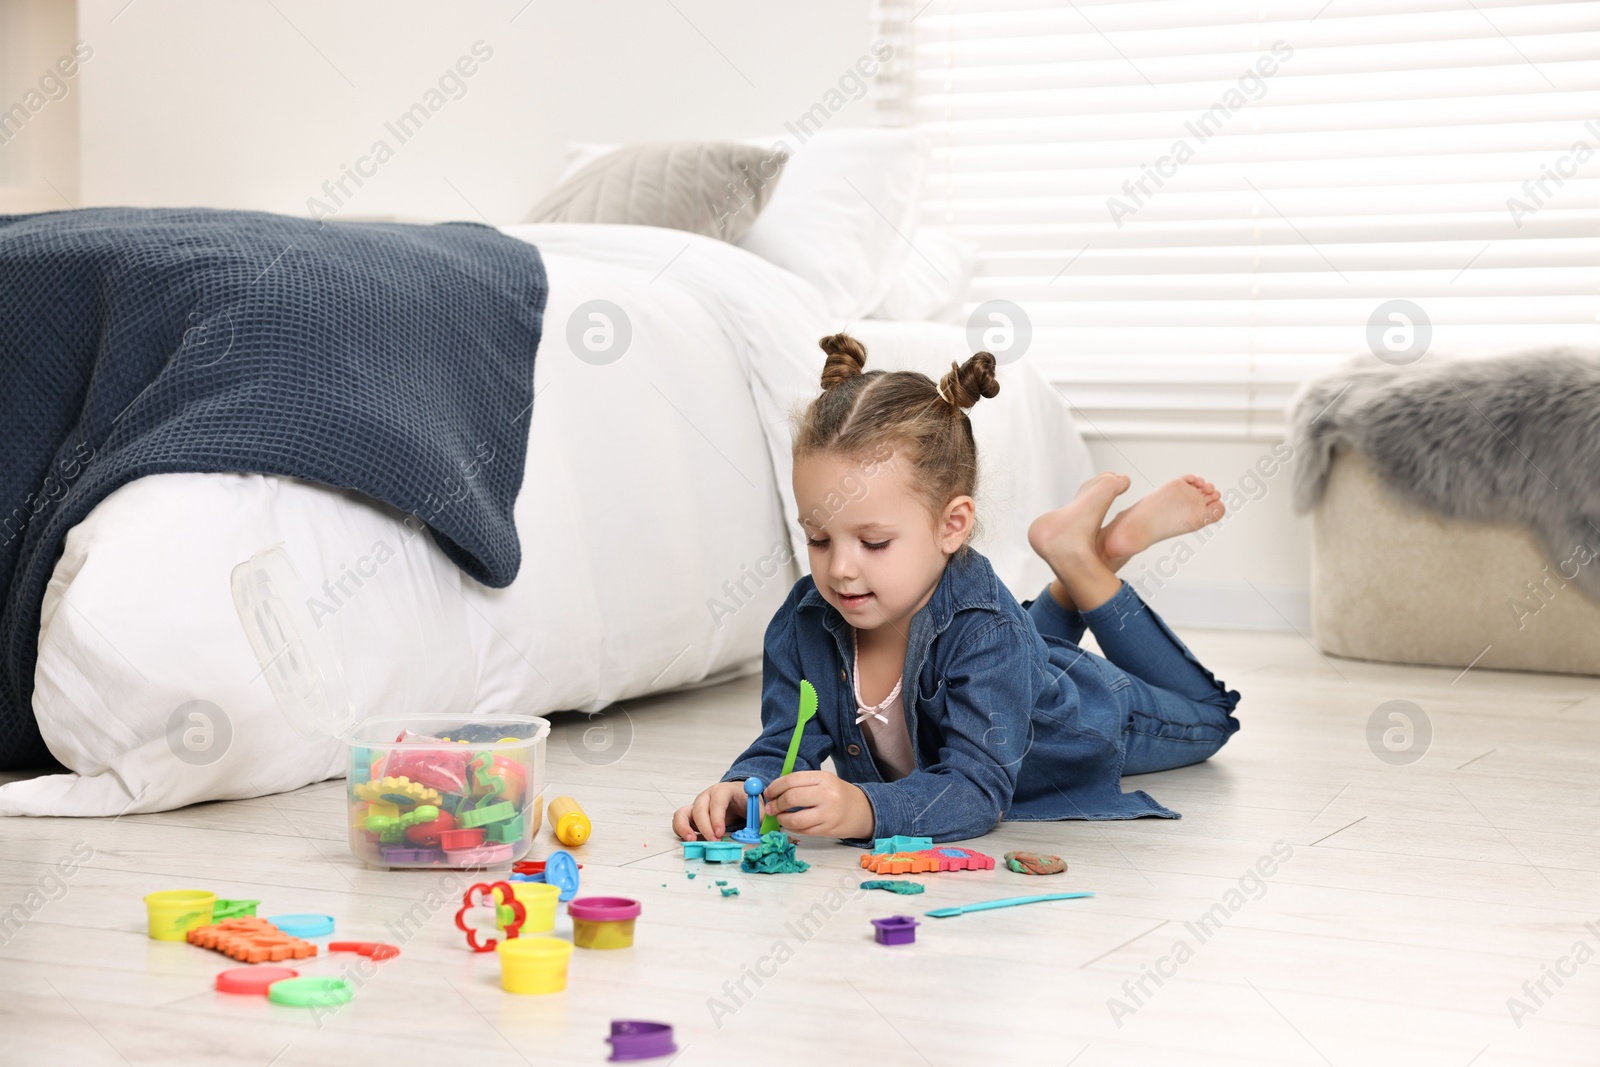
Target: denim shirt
x,y
1005,723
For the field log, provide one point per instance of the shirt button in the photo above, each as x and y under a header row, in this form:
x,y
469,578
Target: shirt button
x,y
854,750
842,677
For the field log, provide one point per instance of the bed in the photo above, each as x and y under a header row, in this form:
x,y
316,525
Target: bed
x,y
655,520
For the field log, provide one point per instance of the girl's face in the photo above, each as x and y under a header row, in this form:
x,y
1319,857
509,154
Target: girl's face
x,y
876,552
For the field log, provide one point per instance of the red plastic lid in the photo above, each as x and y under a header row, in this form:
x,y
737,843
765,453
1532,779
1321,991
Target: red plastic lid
x,y
603,909
252,979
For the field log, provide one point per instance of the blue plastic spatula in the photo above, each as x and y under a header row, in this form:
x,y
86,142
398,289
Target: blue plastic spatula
x,y
808,708
1003,902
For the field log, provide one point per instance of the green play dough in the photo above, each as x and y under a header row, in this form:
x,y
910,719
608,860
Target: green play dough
x,y
775,855
903,888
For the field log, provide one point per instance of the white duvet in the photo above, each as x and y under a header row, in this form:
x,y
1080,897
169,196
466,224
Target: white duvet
x,y
655,518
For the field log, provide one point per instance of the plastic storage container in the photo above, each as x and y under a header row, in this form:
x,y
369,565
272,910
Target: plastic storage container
x,y
534,964
603,922
413,784
174,912
423,790
538,900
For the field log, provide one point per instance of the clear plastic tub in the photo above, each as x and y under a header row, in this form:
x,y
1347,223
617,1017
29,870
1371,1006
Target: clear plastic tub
x,y
440,790
414,787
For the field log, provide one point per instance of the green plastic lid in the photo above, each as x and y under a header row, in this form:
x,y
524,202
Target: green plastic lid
x,y
310,992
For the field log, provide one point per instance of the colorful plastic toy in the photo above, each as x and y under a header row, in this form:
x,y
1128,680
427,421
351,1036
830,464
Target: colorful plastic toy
x,y
928,861
496,777
534,964
402,792
252,980
482,856
775,855
373,950
895,930
808,708
635,1039
724,851
400,855
233,909
392,830
748,834
1004,902
568,822
1034,863
560,870
251,940
505,832
303,926
457,840
173,913
900,844
603,922
311,992
488,813
493,909
428,833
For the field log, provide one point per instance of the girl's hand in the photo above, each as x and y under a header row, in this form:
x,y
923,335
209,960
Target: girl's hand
x,y
832,806
710,813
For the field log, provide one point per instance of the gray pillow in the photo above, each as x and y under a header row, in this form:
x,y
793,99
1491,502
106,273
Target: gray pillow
x,y
715,188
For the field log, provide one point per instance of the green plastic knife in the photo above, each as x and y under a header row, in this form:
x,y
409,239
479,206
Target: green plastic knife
x,y
808,708
1004,902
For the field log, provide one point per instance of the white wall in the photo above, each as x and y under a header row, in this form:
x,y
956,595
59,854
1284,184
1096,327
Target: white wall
x,y
232,104
1253,569
39,90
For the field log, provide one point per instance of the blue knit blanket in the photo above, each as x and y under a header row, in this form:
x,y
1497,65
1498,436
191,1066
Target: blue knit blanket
x,y
394,360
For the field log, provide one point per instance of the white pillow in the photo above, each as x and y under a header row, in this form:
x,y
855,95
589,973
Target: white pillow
x,y
844,213
932,283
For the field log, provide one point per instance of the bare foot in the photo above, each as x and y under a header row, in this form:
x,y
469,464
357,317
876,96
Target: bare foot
x,y
1182,506
1065,538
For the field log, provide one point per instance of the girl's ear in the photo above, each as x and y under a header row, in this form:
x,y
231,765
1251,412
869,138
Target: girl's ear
x,y
956,524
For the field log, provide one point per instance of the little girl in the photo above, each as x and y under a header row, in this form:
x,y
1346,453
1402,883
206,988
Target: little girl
x,y
945,705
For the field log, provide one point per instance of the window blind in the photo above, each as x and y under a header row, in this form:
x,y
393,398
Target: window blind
x,y
1197,206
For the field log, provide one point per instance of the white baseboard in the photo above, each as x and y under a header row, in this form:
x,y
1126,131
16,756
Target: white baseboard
x,y
1230,605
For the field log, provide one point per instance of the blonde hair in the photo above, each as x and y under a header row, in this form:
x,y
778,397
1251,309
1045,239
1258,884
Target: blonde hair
x,y
860,412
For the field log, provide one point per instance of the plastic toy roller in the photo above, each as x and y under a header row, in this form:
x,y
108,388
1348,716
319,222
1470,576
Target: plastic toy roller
x,y
568,822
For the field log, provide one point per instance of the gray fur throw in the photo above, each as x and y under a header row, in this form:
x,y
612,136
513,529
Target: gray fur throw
x,y
1512,438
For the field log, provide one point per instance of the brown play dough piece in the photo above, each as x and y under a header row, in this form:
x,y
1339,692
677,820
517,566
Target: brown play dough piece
x,y
1035,863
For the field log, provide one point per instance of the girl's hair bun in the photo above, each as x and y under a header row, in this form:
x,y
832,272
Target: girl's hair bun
x,y
846,357
969,381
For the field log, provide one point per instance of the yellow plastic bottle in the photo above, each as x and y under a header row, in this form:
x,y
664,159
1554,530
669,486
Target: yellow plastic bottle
x,y
569,823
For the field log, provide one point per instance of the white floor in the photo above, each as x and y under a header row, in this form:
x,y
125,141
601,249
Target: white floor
x,y
1416,901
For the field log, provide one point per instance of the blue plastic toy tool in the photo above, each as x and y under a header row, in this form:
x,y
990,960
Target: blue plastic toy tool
x,y
560,870
749,835
808,708
1004,902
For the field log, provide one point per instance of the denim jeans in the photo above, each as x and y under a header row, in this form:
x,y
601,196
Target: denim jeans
x,y
1177,712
